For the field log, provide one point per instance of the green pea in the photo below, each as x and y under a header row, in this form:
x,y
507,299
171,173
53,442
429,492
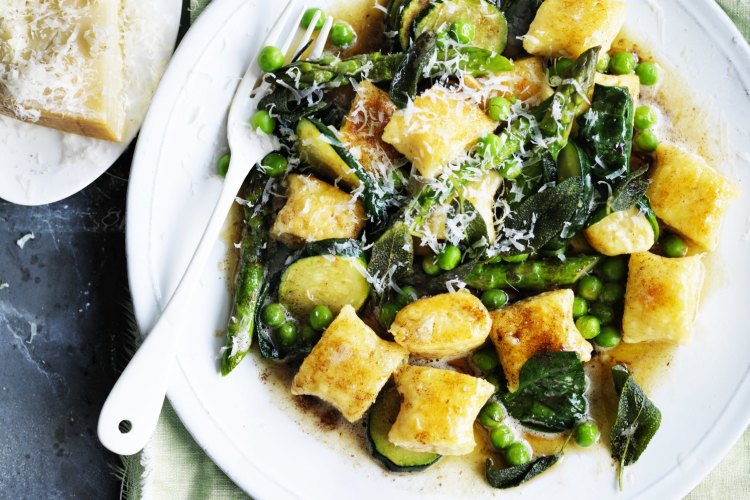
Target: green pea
x,y
511,168
270,59
308,16
406,296
287,334
580,307
648,73
609,337
615,268
612,291
343,35
501,436
602,63
605,313
462,31
517,453
485,359
589,326
430,266
320,317
645,117
515,259
499,108
491,415
388,313
622,63
673,246
561,67
489,146
274,164
309,334
449,258
222,166
494,299
263,121
274,315
586,434
646,141
589,287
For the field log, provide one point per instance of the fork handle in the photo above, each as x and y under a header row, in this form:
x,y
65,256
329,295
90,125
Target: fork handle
x,y
138,395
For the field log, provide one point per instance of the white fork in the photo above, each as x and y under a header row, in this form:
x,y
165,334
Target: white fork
x,y
129,415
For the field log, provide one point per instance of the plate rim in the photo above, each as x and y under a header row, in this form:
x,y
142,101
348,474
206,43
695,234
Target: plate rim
x,y
728,39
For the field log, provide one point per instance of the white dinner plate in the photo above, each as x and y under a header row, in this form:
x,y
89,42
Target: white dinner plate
x,y
40,165
249,425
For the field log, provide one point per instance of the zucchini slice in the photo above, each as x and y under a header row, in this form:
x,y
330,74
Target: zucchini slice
x,y
409,12
330,280
489,21
382,416
319,146
317,150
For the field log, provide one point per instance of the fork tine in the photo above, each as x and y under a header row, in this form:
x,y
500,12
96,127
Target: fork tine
x,y
279,25
290,38
308,34
320,42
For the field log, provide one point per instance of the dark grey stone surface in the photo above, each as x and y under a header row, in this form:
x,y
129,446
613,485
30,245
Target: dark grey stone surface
x,y
61,319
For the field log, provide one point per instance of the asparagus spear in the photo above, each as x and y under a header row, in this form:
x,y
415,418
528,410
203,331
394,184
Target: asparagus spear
x,y
530,275
330,71
251,275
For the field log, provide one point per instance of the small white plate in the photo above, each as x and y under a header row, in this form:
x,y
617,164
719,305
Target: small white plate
x,y
249,425
42,165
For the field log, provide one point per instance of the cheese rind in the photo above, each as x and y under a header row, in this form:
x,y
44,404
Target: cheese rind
x,y
688,195
661,297
445,325
436,128
567,28
622,232
538,324
438,410
61,65
316,211
348,366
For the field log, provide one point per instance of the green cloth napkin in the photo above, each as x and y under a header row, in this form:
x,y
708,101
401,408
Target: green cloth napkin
x,y
173,466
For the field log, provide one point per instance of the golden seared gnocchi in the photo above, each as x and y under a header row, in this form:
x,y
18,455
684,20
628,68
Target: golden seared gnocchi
x,y
315,210
348,366
623,232
566,28
689,195
446,325
534,325
438,410
661,298
437,127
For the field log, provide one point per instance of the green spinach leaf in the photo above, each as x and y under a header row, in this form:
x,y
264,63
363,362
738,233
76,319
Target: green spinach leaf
x,y
550,392
629,191
511,477
411,69
541,217
606,131
392,257
519,14
636,422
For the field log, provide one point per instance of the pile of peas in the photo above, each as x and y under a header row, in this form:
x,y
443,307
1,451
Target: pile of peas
x,y
625,63
597,300
288,334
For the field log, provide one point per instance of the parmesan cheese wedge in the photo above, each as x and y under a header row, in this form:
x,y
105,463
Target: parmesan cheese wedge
x,y
61,65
